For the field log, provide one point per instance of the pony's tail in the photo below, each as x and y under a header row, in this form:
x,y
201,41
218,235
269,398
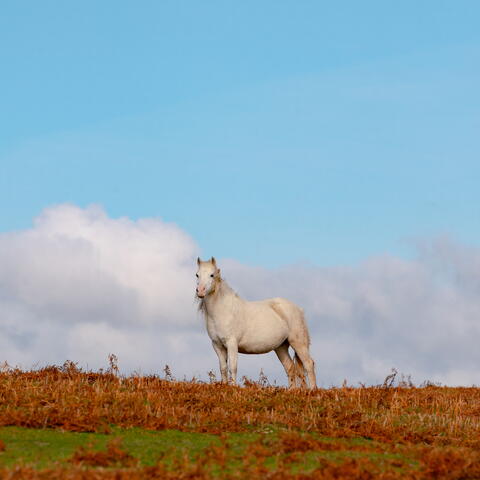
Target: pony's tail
x,y
299,372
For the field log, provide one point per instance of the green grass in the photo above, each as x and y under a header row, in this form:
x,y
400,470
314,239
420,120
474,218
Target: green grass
x,y
47,448
43,448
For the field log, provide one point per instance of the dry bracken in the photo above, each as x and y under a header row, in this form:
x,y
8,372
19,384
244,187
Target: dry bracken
x,y
439,427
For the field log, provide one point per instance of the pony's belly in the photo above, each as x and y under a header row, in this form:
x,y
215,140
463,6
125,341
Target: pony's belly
x,y
261,344
251,351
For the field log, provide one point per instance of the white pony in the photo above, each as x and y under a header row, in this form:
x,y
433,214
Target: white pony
x,y
235,325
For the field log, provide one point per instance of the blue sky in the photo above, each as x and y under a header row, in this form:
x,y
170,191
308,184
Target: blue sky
x,y
272,132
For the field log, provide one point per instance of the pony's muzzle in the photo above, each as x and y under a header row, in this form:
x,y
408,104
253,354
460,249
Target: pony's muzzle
x,y
200,294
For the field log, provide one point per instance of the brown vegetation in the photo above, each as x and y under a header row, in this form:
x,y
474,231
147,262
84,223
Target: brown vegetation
x,y
437,427
113,456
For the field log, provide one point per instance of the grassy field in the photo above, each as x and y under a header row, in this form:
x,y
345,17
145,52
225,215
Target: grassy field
x,y
60,422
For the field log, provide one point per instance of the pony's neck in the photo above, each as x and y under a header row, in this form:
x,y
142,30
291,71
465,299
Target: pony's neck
x,y
217,297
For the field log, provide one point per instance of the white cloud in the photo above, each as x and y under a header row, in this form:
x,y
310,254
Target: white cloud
x,y
421,316
79,285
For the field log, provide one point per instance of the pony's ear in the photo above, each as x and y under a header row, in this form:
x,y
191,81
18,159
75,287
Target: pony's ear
x,y
198,261
213,262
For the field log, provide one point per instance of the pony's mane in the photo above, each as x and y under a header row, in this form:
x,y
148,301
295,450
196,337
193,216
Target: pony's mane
x,y
201,305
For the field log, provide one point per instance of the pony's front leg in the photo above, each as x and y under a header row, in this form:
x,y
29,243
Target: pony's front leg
x,y
221,352
232,348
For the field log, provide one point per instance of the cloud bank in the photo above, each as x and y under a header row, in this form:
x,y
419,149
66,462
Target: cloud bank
x,y
79,285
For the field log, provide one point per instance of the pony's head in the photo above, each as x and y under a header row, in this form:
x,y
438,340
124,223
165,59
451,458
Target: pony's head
x,y
208,277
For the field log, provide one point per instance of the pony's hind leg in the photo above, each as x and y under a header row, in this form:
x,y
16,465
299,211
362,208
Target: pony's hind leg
x,y
299,371
302,352
288,365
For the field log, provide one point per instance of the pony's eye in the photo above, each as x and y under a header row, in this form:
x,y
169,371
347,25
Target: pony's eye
x,y
211,275
196,275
